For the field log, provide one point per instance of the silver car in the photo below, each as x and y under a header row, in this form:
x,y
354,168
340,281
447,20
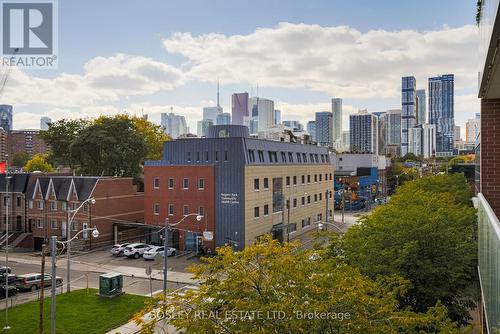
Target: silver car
x,y
118,249
151,253
33,281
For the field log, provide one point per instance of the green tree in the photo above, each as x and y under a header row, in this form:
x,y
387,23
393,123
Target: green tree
x,y
38,163
109,146
59,137
426,234
20,159
266,287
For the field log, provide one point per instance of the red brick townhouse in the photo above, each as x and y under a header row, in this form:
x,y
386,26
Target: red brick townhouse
x,y
50,197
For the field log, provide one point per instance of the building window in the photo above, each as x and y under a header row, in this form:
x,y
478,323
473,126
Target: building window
x,y
326,177
18,201
311,157
53,206
320,177
74,226
306,222
304,157
299,159
185,183
303,200
64,206
40,205
197,156
206,156
331,177
156,209
290,157
53,224
185,210
216,155
295,180
294,202
156,183
266,210
308,178
323,158
189,156
315,197
261,156
256,184
201,211
226,156
277,194
308,199
266,183
170,183
283,157
288,180
315,177
303,179
30,204
251,155
201,184
39,223
320,196
170,209
256,212
292,227
316,158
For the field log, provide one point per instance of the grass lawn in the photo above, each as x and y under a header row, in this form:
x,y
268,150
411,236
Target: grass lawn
x,y
77,312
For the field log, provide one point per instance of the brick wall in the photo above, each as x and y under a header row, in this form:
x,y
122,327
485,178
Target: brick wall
x,y
490,152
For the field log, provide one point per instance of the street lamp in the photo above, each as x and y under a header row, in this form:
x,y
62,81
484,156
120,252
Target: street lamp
x,y
69,219
165,229
324,224
7,203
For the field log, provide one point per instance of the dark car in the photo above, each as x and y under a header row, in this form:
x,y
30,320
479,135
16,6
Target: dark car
x,y
12,291
12,279
4,269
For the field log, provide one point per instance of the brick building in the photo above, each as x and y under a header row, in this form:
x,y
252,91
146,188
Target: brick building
x,y
243,187
26,141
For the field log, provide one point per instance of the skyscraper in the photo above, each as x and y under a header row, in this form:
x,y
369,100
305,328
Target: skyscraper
x,y
239,108
277,116
6,117
383,131
428,140
363,128
456,133
394,127
203,126
262,114
408,111
421,107
211,113
174,125
223,119
337,118
44,123
311,128
441,112
346,139
293,125
472,129
324,128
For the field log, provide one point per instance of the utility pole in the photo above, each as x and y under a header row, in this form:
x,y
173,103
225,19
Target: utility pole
x,y
53,286
68,249
7,199
165,257
42,289
288,214
343,205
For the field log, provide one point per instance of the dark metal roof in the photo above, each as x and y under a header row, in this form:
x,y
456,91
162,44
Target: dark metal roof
x,y
18,183
62,184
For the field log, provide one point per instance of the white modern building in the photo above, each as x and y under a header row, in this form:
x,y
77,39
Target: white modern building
x,y
337,118
202,127
262,114
44,123
472,129
363,128
174,125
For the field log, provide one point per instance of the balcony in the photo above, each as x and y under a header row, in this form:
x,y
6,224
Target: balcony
x,y
489,264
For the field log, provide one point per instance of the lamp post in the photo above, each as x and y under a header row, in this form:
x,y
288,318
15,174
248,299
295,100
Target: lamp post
x,y
68,238
165,229
53,249
320,226
7,203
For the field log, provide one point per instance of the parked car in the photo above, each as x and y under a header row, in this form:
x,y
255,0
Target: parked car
x,y
33,281
118,249
12,291
4,269
135,250
158,250
12,278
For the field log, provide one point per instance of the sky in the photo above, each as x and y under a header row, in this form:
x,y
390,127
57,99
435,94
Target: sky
x,y
151,56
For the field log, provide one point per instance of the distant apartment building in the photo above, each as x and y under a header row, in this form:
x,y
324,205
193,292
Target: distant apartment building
x,y
383,131
324,128
346,140
472,129
421,107
239,109
363,128
277,116
393,144
311,128
6,117
174,125
243,188
45,122
25,141
294,125
337,118
202,127
457,136
408,111
441,112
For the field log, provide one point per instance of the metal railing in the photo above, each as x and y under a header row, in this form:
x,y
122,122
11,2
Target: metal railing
x,y
489,262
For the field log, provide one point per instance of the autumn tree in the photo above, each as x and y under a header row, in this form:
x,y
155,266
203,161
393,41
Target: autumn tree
x,y
273,288
38,163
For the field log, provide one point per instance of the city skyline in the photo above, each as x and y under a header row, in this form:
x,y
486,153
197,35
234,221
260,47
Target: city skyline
x,y
159,71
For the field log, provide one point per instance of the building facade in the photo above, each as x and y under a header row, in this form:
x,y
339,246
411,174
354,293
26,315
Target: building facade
x,y
223,119
337,118
45,122
408,111
421,107
262,115
174,125
24,141
6,117
472,129
324,128
311,128
363,128
239,108
203,126
243,187
441,112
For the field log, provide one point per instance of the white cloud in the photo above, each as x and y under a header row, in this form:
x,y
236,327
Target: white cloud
x,y
340,61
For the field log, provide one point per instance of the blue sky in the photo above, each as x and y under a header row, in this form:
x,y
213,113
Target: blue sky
x,y
146,32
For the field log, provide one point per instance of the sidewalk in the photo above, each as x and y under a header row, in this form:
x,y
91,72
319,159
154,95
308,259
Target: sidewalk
x,y
173,276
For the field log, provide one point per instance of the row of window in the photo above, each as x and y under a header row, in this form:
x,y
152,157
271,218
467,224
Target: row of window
x,y
185,183
205,156
171,210
288,157
40,205
54,224
303,201
290,179
18,201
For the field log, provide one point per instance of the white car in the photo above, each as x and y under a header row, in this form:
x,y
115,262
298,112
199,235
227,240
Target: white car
x,y
135,250
151,253
118,249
